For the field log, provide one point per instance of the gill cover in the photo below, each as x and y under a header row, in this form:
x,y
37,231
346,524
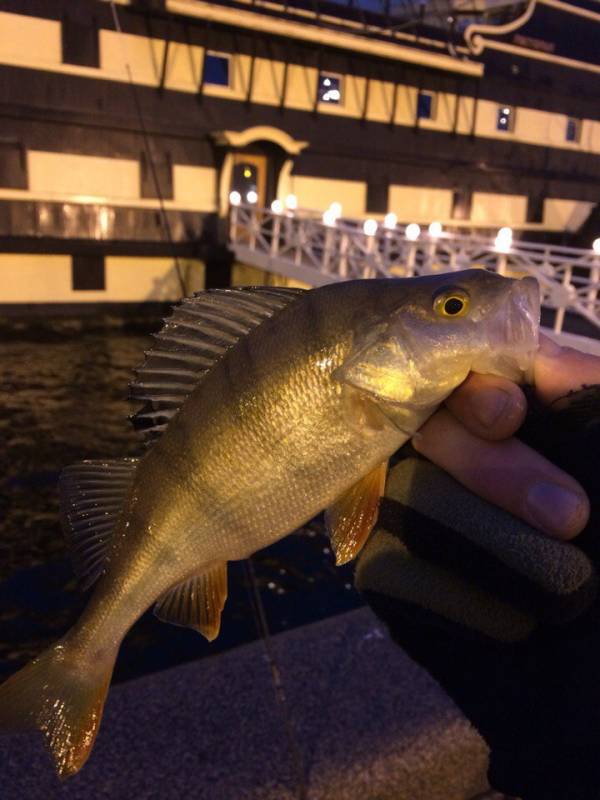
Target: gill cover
x,y
381,366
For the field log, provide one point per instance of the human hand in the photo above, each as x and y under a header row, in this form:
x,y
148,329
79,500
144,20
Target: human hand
x,y
472,439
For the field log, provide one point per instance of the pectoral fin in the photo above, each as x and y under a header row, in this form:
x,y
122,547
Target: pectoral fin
x,y
351,518
197,602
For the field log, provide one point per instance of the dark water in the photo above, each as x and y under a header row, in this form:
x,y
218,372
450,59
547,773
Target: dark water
x,y
62,399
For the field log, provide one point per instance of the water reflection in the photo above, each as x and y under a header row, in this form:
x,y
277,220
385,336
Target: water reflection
x,y
63,398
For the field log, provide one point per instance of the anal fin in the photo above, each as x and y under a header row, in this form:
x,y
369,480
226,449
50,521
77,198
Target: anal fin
x,y
197,602
351,518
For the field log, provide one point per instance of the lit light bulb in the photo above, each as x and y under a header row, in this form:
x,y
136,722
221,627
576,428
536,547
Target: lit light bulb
x,y
252,197
336,209
412,232
596,246
503,241
435,229
235,198
277,206
291,202
390,220
329,218
370,227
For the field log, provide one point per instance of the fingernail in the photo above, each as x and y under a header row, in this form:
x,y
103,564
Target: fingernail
x,y
548,347
489,404
554,508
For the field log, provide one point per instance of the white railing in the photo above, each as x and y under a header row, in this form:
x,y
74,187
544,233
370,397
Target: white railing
x,y
303,247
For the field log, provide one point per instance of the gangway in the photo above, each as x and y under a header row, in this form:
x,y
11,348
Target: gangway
x,y
301,246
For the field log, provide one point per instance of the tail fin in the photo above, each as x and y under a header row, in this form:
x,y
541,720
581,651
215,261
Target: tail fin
x,y
62,697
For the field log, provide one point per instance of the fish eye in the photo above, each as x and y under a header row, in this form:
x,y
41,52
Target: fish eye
x,y
451,303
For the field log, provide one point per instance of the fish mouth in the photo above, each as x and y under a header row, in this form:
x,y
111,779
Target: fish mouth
x,y
522,326
513,333
523,322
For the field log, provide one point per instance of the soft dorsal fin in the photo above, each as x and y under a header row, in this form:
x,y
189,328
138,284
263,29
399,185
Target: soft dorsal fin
x,y
351,518
197,602
91,498
201,329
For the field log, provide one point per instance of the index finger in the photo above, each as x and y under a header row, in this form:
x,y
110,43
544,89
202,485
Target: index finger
x,y
560,370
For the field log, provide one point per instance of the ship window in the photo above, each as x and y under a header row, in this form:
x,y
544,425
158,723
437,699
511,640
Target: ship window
x,y
573,130
80,43
535,208
330,88
505,120
461,204
216,69
425,105
377,196
87,273
13,165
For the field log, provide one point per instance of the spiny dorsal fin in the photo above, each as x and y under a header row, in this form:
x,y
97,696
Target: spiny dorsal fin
x,y
197,602
351,518
201,329
91,498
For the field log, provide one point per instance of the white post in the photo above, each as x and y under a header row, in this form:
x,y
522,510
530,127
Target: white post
x,y
275,234
296,226
327,247
343,264
560,312
370,256
253,219
410,259
501,264
233,215
430,256
592,295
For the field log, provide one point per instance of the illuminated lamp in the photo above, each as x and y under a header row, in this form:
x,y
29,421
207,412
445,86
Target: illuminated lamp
x,y
370,227
412,232
503,241
329,218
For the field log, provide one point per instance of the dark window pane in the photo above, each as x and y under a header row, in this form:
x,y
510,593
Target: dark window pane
x,y
13,166
80,43
216,69
425,105
161,170
573,128
505,119
377,197
535,209
87,273
329,88
461,204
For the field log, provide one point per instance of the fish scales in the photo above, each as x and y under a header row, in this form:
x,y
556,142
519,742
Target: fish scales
x,y
298,416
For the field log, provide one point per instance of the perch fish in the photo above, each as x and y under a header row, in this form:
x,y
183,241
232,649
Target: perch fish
x,y
261,407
